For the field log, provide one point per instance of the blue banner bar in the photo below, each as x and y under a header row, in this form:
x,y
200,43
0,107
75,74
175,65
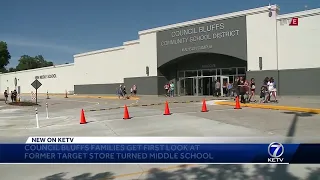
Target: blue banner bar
x,y
159,153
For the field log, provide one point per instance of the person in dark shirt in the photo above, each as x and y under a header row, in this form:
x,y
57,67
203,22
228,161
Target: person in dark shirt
x,y
236,87
12,96
242,89
265,85
5,96
262,94
15,95
253,90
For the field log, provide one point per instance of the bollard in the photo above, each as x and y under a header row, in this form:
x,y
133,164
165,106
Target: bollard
x,y
37,118
48,95
47,111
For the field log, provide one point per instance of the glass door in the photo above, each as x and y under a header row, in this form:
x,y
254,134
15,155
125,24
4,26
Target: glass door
x,y
224,83
199,86
189,86
205,86
195,85
181,87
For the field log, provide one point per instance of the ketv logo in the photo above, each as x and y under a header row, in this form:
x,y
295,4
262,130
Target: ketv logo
x,y
275,150
290,21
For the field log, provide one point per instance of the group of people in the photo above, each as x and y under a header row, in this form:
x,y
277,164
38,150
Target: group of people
x,y
169,89
122,92
246,90
13,94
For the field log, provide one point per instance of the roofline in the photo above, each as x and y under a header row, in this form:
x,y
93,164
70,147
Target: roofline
x,y
39,69
310,12
131,42
213,18
98,51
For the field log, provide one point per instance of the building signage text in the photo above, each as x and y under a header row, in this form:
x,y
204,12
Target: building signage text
x,y
202,33
46,76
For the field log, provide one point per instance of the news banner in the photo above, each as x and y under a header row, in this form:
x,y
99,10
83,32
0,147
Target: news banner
x,y
168,150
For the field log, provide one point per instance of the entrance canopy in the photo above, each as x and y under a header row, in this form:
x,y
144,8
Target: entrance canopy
x,y
195,74
199,61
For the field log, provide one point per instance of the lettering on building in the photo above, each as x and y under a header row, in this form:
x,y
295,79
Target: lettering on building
x,y
46,76
202,33
208,66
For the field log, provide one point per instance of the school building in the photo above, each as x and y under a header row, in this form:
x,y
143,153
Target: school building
x,y
255,43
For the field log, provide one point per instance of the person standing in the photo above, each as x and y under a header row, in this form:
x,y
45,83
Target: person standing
x,y
236,88
252,90
134,88
230,93
124,92
242,89
171,89
217,88
12,96
166,89
119,92
272,89
15,95
5,96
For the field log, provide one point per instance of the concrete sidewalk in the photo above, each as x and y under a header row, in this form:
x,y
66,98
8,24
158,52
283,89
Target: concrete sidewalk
x,y
295,104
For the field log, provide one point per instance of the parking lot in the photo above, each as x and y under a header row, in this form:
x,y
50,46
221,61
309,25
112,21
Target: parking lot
x,y
104,118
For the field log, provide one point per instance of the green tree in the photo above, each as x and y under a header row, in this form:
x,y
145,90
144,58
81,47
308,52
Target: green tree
x,y
4,56
28,62
12,69
42,62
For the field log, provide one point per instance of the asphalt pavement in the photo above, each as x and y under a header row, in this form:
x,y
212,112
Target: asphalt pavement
x,y
105,119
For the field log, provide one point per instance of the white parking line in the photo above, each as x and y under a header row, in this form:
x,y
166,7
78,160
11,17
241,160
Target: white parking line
x,y
108,120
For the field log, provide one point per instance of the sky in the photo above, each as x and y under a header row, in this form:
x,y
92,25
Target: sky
x,y
58,29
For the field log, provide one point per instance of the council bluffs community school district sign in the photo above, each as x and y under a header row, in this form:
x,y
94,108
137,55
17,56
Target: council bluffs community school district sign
x,y
46,76
228,37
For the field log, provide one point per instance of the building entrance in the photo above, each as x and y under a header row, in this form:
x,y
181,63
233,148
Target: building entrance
x,y
202,86
200,83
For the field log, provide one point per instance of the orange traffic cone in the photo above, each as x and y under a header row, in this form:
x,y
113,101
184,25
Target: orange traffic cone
x,y
166,109
82,118
126,113
204,106
237,103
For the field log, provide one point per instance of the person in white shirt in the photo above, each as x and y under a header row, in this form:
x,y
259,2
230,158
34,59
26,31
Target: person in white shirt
x,y
134,90
272,89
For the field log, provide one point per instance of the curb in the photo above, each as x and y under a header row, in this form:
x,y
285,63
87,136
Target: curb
x,y
80,96
151,104
273,107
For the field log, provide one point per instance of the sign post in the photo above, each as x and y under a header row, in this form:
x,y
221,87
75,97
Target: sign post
x,y
36,84
37,118
47,111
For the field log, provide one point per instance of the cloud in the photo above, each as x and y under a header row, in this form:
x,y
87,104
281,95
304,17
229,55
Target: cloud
x,y
23,42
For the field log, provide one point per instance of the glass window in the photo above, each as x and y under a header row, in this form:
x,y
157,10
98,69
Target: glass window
x,y
218,72
241,71
190,73
233,71
211,72
229,71
225,72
